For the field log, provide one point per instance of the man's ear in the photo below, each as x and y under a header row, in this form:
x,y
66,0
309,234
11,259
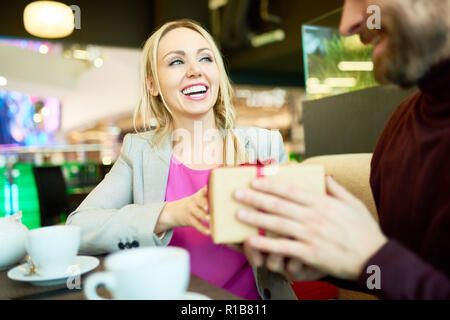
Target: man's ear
x,y
151,87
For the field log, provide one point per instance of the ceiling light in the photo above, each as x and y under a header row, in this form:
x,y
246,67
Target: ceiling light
x,y
312,81
67,54
43,49
216,4
3,81
319,89
37,118
48,19
80,54
106,160
268,37
98,62
340,82
355,65
45,111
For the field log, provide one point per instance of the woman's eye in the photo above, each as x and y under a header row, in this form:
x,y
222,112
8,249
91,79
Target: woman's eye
x,y
208,59
175,62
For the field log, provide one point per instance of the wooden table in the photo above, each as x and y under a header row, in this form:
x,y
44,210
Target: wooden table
x,y
11,289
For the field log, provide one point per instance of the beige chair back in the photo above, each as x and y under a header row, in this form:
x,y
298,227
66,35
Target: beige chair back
x,y
353,172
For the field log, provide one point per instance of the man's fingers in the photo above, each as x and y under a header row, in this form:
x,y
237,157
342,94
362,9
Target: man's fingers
x,y
286,191
285,247
339,192
273,204
298,271
255,257
275,263
276,224
294,266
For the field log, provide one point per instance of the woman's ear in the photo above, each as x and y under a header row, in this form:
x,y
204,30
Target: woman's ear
x,y
151,87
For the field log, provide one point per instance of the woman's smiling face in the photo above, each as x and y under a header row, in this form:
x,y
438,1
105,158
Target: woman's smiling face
x,y
187,72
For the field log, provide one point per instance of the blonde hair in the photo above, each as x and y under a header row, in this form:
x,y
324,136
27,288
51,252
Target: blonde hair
x,y
150,106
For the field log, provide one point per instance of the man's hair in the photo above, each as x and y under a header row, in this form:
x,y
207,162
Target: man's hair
x,y
419,32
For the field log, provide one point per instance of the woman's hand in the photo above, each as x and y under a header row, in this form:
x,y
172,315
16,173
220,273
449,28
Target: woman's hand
x,y
334,234
186,212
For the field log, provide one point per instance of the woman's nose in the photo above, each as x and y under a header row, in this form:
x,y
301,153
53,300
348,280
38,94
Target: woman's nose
x,y
193,70
353,17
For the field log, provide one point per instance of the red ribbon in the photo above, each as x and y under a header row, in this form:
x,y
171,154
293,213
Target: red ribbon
x,y
260,174
259,163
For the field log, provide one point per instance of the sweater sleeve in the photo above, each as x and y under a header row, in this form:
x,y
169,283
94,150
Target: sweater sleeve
x,y
403,275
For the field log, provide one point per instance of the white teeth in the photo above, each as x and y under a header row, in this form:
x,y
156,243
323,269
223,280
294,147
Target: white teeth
x,y
199,89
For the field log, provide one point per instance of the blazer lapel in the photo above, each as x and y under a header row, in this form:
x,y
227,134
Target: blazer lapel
x,y
156,163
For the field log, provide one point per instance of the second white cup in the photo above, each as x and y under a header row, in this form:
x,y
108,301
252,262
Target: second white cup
x,y
151,273
53,249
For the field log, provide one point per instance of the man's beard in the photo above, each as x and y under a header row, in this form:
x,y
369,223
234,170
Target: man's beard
x,y
416,40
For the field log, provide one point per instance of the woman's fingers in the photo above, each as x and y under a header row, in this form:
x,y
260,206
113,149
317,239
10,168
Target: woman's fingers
x,y
200,213
197,215
194,222
201,200
273,204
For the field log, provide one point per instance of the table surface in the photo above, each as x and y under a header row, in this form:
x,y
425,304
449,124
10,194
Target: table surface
x,y
11,289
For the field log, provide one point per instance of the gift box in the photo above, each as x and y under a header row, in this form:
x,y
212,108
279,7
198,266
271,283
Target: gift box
x,y
223,182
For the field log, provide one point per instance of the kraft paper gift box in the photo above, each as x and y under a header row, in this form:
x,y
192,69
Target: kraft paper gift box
x,y
223,182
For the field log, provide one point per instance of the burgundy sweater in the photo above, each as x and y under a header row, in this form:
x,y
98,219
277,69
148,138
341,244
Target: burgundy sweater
x,y
410,180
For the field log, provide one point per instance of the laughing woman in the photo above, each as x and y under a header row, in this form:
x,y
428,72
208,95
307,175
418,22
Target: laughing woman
x,y
155,194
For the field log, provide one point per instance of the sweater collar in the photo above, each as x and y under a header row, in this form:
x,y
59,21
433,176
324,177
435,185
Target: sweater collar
x,y
436,83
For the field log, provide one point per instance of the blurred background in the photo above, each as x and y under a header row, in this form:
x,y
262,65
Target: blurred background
x,y
67,93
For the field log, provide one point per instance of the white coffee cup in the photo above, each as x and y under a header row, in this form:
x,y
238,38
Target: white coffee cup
x,y
53,249
151,273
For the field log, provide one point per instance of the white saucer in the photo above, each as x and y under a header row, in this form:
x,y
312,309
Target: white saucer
x,y
81,265
195,296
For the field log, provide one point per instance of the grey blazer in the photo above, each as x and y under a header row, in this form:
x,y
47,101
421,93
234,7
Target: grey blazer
x,y
125,207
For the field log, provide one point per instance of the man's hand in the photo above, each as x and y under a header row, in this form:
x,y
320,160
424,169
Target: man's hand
x,y
331,234
291,268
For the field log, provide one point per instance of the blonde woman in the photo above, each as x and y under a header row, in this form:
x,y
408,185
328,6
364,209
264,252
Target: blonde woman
x,y
155,194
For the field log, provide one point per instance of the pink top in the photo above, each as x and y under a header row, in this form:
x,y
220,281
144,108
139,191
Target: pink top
x,y
217,264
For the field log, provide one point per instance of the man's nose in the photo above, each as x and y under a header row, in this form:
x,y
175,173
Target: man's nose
x,y
353,17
